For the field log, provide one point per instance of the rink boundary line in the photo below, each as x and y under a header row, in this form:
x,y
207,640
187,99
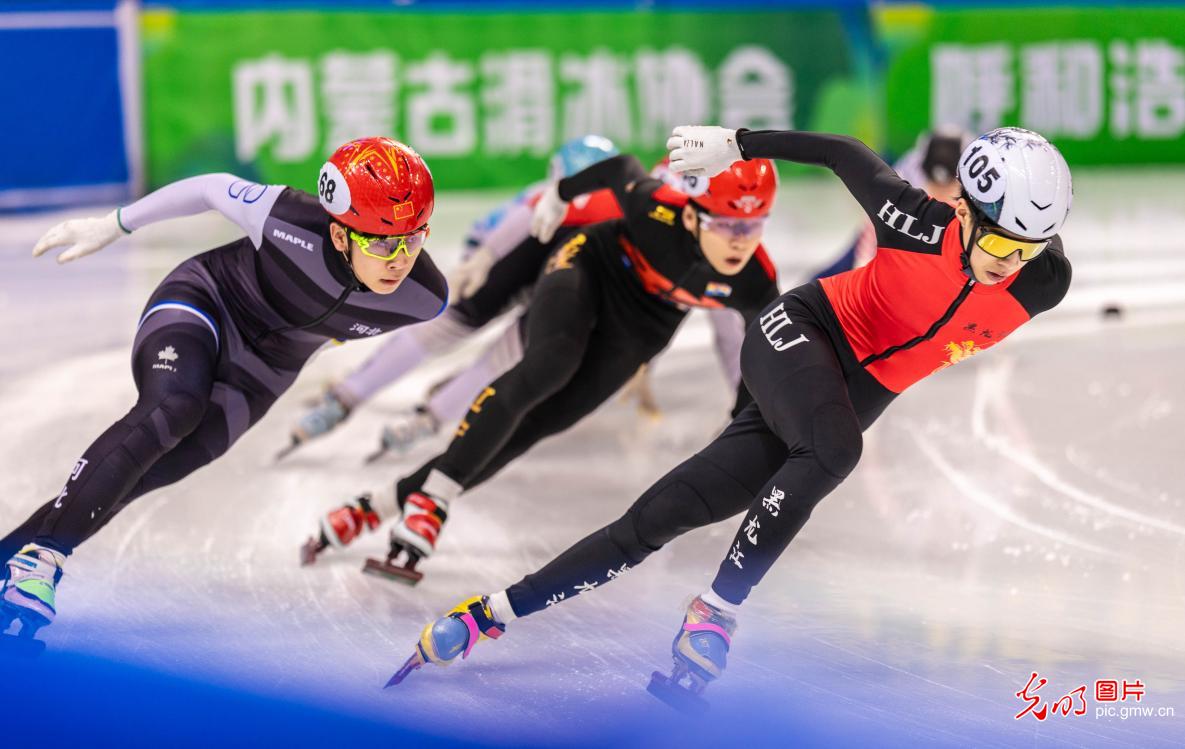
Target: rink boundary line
x,y
984,377
987,501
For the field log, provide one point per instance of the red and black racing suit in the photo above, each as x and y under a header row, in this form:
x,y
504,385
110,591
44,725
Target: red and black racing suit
x,y
609,299
511,277
822,362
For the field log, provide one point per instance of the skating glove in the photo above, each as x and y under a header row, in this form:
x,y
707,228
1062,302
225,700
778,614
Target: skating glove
x,y
471,274
549,214
82,235
703,150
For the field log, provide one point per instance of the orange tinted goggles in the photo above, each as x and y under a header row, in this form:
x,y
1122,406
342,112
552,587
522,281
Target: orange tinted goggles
x,y
998,245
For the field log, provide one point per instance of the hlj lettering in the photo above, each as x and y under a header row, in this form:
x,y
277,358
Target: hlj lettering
x,y
772,322
891,215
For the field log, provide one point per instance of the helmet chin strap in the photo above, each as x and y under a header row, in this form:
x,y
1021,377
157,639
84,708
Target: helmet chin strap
x,y
966,257
345,257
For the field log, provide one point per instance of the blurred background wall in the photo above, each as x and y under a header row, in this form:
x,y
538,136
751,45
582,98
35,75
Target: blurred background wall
x,y
107,99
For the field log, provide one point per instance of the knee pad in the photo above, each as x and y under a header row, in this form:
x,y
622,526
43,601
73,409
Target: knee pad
x,y
164,422
836,439
663,513
181,413
548,365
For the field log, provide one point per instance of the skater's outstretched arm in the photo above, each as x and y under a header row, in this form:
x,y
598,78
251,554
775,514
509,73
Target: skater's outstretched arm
x,y
892,203
245,203
866,175
471,273
616,174
510,231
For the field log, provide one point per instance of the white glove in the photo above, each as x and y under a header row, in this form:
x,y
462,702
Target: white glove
x,y
469,276
82,235
703,150
549,214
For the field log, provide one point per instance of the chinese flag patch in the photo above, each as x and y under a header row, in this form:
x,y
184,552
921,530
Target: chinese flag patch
x,y
403,211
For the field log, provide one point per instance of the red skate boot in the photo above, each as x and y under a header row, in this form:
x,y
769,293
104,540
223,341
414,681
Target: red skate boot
x,y
340,527
414,537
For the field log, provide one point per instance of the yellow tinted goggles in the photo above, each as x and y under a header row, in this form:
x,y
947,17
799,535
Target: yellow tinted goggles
x,y
388,248
998,245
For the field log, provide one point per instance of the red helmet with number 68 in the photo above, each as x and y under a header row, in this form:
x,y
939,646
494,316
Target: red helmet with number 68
x,y
377,186
744,190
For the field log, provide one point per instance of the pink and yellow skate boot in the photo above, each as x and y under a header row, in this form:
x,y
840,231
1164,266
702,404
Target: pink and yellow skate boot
x,y
455,633
700,651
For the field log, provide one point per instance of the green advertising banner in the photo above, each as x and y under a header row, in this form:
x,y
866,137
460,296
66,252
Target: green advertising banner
x,y
486,98
1106,84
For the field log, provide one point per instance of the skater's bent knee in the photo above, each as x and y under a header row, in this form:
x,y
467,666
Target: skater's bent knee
x,y
662,514
836,439
548,365
177,415
624,535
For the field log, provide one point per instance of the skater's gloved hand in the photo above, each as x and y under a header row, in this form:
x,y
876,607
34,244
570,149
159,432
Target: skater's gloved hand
x,y
469,276
82,235
549,214
703,150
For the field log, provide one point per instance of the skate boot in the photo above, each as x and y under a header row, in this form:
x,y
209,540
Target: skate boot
x,y
455,633
29,595
322,419
405,431
700,651
340,527
414,537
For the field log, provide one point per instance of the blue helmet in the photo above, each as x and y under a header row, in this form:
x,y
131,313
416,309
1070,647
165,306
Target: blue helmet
x,y
579,154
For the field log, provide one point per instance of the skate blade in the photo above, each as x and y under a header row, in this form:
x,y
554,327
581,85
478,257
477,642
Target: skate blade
x,y
390,571
21,644
679,697
310,549
411,664
287,450
375,455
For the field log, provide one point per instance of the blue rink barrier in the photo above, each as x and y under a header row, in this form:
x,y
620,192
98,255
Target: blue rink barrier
x,y
83,700
69,134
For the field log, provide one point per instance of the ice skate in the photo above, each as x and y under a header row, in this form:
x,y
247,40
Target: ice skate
x,y
405,431
412,539
700,651
322,419
28,596
340,527
455,633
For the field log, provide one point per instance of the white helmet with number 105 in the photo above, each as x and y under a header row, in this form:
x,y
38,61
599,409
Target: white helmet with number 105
x,y
1018,180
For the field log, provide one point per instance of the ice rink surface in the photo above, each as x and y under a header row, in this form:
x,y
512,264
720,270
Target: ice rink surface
x,y
1021,512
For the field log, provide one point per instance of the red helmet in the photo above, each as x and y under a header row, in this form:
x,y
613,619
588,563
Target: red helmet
x,y
377,186
744,190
